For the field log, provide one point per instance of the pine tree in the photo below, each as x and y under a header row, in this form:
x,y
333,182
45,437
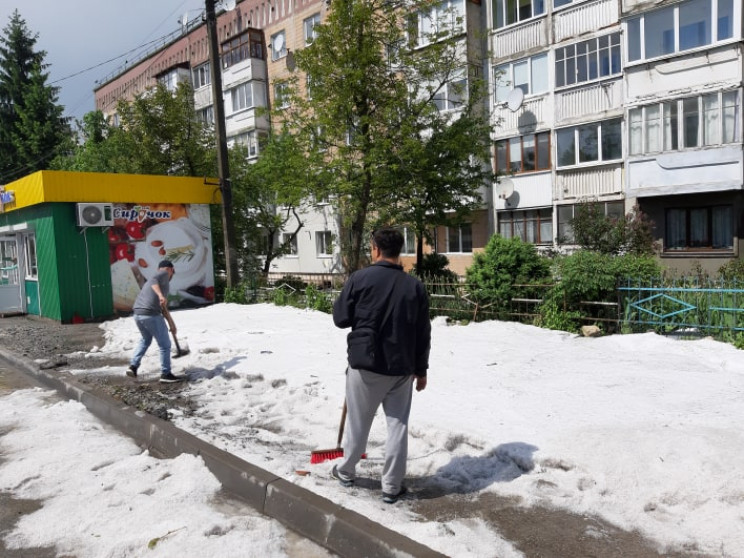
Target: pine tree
x,y
32,126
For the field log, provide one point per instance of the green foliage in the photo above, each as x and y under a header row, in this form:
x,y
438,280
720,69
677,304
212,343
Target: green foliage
x,y
628,234
32,126
318,300
732,270
434,267
385,147
239,294
503,264
595,276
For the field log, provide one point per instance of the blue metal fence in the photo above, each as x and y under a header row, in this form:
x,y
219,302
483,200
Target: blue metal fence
x,y
704,306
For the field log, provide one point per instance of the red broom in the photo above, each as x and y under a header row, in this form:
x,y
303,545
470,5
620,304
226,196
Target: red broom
x,y
319,456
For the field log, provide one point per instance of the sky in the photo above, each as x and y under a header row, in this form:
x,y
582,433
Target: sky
x,y
88,41
641,430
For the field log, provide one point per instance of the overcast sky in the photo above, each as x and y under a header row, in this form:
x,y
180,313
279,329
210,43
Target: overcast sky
x,y
88,40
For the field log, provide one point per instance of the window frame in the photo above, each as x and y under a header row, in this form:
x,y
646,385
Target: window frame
x,y
463,247
446,18
308,28
594,49
577,131
507,158
532,219
499,12
31,262
293,248
677,135
504,73
201,76
639,41
711,222
565,230
323,244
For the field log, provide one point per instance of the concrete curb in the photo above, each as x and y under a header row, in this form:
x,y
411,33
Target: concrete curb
x,y
338,529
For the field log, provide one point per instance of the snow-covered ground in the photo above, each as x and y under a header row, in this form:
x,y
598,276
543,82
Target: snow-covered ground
x,y
641,430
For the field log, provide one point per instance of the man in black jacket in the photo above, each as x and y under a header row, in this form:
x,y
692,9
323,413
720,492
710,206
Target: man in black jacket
x,y
393,308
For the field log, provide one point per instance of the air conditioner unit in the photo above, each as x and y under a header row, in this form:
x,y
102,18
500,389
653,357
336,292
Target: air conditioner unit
x,y
95,215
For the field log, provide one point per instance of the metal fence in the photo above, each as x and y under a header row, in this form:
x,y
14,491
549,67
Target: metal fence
x,y
686,305
673,307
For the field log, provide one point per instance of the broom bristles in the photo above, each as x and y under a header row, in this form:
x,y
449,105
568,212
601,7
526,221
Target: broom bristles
x,y
319,456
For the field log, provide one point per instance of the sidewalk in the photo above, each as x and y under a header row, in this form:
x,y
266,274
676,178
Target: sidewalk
x,y
38,347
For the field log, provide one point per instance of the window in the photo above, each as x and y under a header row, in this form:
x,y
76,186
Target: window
x,y
566,213
249,140
523,154
711,119
170,80
278,46
587,61
445,18
32,268
678,28
244,46
460,239
206,115
281,95
242,96
291,242
699,228
590,143
453,94
530,225
409,241
201,76
323,243
506,12
530,75
309,28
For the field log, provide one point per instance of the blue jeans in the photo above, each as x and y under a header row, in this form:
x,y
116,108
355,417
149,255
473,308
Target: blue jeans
x,y
153,327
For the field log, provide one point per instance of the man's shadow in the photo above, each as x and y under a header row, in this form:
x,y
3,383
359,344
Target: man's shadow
x,y
469,474
194,373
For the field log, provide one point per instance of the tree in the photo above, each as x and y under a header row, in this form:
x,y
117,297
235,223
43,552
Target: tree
x,y
369,104
627,234
32,126
270,197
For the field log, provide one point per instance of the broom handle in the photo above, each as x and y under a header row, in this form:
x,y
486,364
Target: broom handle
x,y
341,426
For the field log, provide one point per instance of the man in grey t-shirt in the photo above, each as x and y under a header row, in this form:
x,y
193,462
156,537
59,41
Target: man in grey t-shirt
x,y
148,315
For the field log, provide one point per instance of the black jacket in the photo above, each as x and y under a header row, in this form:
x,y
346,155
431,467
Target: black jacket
x,y
405,337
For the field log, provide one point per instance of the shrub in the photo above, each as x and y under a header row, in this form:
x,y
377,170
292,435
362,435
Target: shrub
x,y
503,264
434,266
627,234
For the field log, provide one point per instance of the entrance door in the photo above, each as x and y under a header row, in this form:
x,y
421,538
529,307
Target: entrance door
x,y
11,286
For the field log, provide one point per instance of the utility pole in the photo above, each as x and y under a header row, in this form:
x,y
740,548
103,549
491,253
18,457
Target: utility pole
x,y
223,170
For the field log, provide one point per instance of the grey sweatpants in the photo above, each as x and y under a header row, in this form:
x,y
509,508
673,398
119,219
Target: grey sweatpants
x,y
365,391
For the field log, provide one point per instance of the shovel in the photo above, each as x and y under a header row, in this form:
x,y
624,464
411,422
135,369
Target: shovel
x,y
180,351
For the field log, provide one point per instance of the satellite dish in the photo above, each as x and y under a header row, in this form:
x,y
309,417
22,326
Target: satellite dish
x,y
229,5
514,99
185,20
505,188
279,42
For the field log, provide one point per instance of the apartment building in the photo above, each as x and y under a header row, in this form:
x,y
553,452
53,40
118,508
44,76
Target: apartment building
x,y
616,102
620,103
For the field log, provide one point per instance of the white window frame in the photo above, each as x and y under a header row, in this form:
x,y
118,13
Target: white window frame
x,y
278,54
308,26
499,12
446,18
293,250
461,247
504,77
239,95
323,244
409,242
570,58
31,262
711,126
637,39
576,131
281,95
202,76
